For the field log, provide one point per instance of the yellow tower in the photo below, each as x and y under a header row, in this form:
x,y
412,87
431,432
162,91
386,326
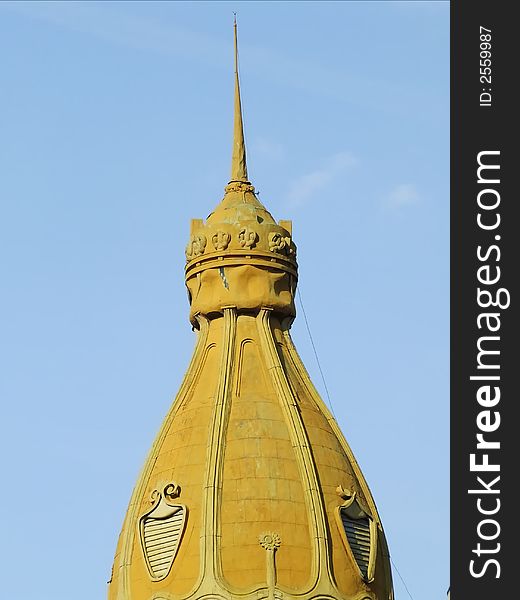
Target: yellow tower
x,y
250,490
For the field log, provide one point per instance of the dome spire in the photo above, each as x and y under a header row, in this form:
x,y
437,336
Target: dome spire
x,y
238,158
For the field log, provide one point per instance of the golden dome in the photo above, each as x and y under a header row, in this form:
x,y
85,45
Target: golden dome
x,y
250,490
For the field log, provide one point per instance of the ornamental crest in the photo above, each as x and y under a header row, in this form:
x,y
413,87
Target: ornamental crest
x,y
358,532
161,529
247,237
196,246
221,240
277,242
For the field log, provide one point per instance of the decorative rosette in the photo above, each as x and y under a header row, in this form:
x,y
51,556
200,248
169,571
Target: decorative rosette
x,y
270,540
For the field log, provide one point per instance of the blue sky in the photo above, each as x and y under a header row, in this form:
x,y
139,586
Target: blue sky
x,y
116,122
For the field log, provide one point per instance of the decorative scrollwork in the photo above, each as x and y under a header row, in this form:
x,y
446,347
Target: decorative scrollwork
x,y
172,491
343,493
221,240
155,496
247,237
196,246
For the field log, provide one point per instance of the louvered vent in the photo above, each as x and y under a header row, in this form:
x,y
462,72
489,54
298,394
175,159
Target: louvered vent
x,y
161,539
358,536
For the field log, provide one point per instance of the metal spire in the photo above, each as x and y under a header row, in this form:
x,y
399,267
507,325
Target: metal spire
x,y
238,159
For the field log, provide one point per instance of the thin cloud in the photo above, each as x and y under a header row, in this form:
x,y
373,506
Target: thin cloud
x,y
124,29
148,34
405,194
307,186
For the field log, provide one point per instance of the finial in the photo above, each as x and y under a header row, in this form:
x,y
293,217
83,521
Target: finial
x,y
238,159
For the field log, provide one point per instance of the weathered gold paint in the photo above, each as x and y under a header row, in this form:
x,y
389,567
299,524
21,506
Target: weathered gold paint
x,y
256,454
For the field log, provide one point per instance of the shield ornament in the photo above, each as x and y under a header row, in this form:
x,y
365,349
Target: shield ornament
x,y
358,531
161,529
